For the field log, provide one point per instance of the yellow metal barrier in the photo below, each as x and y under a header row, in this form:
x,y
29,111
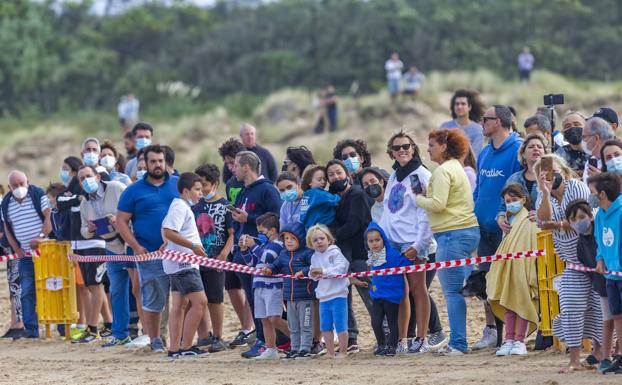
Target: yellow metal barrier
x,y
56,286
549,267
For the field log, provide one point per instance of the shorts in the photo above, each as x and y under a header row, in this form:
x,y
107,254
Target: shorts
x,y
92,272
604,307
334,315
186,281
614,296
394,86
268,302
232,282
214,285
154,292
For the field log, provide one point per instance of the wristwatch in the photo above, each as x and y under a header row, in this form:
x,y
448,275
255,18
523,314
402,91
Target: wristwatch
x,y
42,235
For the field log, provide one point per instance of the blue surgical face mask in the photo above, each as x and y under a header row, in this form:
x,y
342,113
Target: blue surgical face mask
x,y
582,226
352,164
514,207
140,174
90,159
90,185
262,239
290,195
615,165
64,176
210,195
142,143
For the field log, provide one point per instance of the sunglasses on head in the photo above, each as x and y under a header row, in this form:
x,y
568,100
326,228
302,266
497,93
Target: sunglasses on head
x,y
404,147
348,155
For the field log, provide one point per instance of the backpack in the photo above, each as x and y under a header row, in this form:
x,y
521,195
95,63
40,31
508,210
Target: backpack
x,y
36,193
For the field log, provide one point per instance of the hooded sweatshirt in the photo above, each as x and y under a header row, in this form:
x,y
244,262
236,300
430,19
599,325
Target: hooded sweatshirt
x,y
608,231
494,167
351,220
291,262
318,206
332,262
390,287
258,198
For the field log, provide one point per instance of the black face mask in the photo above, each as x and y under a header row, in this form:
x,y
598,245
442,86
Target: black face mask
x,y
373,190
557,180
338,186
573,135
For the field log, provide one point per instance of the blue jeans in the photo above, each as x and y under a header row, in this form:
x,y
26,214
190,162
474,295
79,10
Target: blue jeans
x,y
456,244
29,297
119,296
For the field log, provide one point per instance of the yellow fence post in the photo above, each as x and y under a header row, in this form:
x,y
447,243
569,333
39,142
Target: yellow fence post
x,y
55,284
549,267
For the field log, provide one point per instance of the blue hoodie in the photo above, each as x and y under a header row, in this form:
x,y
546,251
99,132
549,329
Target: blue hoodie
x,y
607,231
389,287
318,206
258,198
494,167
291,262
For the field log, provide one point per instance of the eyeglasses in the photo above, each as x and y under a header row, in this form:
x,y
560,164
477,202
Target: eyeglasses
x,y
348,155
286,162
404,147
486,118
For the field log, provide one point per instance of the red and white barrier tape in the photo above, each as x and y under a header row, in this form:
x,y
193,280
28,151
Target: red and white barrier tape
x,y
585,269
14,256
225,265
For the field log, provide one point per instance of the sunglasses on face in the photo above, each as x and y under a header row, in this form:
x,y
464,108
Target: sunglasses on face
x,y
487,118
348,155
404,147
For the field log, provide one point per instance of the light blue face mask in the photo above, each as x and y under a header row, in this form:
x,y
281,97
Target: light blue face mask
x,y
142,143
210,195
290,195
140,174
90,185
352,164
64,176
615,165
90,159
514,207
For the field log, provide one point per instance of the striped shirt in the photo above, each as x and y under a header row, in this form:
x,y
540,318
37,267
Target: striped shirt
x,y
25,221
566,241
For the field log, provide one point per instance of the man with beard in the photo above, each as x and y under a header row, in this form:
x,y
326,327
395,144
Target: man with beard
x,y
145,203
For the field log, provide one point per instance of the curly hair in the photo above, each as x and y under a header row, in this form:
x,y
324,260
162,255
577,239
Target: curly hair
x,y
360,146
402,134
457,143
301,156
231,148
473,99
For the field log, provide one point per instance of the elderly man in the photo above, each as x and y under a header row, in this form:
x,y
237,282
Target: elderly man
x,y
90,152
26,216
595,132
573,154
248,134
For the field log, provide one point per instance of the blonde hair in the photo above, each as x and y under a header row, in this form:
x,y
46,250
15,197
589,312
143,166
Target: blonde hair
x,y
322,229
566,171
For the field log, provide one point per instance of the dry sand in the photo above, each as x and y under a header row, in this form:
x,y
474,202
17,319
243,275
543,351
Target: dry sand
x,y
58,362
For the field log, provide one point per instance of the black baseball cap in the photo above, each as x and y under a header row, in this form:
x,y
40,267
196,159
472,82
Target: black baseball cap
x,y
607,114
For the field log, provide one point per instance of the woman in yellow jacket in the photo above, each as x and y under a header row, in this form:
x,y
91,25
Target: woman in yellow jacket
x,y
512,285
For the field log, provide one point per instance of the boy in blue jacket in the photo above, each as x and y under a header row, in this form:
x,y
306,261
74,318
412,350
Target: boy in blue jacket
x,y
317,206
298,293
386,291
605,190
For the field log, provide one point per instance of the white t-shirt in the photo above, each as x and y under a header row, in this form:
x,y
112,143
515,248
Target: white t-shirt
x,y
181,219
394,69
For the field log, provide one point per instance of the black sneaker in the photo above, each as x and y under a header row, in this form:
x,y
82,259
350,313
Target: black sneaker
x,y
291,355
192,352
173,355
88,337
206,341
389,352
105,332
615,368
353,346
303,355
380,350
12,333
218,345
318,348
133,333
240,339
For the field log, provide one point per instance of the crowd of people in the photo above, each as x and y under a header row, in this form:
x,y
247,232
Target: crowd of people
x,y
492,190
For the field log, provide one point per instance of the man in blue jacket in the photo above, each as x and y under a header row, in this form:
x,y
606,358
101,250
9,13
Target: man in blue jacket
x,y
497,161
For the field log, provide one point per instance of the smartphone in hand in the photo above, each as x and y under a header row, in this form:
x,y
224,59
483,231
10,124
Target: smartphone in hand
x,y
593,162
415,184
232,208
547,166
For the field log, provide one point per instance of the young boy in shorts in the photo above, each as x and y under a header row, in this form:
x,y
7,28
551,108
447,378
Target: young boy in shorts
x,y
215,227
180,233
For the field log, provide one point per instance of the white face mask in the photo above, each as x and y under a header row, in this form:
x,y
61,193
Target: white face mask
x,y
108,162
20,192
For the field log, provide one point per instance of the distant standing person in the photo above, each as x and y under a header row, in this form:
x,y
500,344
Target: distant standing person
x,y
394,68
467,110
525,64
248,135
328,105
414,78
128,111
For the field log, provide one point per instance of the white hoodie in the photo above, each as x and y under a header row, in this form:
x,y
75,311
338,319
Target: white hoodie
x,y
331,262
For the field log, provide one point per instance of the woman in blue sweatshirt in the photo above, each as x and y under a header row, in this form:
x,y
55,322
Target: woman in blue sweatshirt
x,y
386,291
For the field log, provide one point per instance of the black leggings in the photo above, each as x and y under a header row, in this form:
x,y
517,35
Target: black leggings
x,y
435,321
381,308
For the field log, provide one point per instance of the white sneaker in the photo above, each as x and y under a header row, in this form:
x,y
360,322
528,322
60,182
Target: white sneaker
x,y
449,351
402,347
519,349
488,340
505,349
268,354
139,342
